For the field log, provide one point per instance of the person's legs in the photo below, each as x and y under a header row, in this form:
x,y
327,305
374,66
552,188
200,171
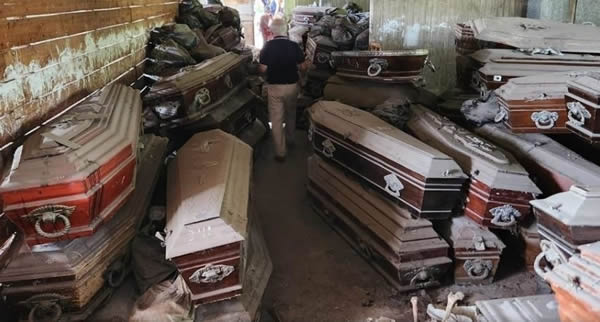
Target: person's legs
x,y
290,102
276,116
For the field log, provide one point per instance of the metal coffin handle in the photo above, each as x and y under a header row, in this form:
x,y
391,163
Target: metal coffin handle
x,y
393,185
544,120
505,216
51,213
577,113
202,96
328,148
551,254
376,66
478,269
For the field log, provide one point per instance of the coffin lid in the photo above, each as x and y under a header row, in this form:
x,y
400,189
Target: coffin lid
x,y
208,193
382,53
589,84
467,235
77,143
488,55
545,151
533,33
579,277
522,70
591,251
310,10
537,308
485,161
193,76
377,135
540,87
577,207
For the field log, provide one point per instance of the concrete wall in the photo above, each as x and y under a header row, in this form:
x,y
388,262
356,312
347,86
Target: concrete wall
x,y
559,10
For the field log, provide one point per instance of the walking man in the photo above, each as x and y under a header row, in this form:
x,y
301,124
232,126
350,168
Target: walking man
x,y
282,59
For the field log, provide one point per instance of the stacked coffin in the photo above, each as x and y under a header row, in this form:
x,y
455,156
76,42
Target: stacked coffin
x,y
308,15
207,214
575,285
500,189
583,104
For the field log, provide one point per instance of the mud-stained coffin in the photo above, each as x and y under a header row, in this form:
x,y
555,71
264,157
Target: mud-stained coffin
x,y
500,189
476,252
318,51
583,107
74,173
308,15
567,220
426,181
575,285
401,66
207,212
196,90
67,277
537,308
554,167
406,251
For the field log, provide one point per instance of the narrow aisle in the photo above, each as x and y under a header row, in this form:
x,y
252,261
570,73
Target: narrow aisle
x,y
317,276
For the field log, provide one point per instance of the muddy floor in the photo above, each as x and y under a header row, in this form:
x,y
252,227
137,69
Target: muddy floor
x,y
317,276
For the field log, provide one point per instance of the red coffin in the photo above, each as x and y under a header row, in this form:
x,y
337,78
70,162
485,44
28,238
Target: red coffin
x,y
75,172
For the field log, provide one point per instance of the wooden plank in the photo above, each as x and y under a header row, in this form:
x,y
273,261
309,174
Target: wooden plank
x,y
138,13
40,7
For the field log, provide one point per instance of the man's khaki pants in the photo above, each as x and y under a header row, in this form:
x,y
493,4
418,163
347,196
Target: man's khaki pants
x,y
282,101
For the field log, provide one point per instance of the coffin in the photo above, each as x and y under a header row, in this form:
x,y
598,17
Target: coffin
x,y
69,276
207,211
567,220
419,177
74,173
308,15
531,243
554,167
500,189
464,39
318,51
575,285
196,90
533,33
366,95
536,308
583,105
225,37
11,240
401,66
407,252
512,56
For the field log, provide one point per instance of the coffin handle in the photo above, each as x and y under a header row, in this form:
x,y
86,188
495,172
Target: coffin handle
x,y
322,58
478,269
422,279
551,254
430,64
328,148
544,120
51,213
501,116
44,307
577,113
202,96
377,65
505,216
393,185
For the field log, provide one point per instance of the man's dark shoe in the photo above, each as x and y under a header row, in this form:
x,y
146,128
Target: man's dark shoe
x,y
280,159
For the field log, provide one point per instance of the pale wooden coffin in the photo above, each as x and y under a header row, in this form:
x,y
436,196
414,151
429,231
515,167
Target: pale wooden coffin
x,y
583,105
67,276
406,251
308,15
500,189
400,66
196,90
533,33
575,285
536,308
406,170
207,211
554,167
75,172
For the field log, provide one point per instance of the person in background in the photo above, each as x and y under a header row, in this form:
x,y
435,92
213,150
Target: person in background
x,y
282,59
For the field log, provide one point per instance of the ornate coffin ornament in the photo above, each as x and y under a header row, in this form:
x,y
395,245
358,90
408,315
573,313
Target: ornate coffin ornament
x,y
402,167
583,107
207,214
75,172
406,251
500,188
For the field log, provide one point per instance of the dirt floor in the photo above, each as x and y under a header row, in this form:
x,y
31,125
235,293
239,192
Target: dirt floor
x,y
317,276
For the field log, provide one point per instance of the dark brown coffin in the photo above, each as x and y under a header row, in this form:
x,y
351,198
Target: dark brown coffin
x,y
308,15
402,66
553,167
68,276
575,285
196,90
476,252
464,39
583,107
318,51
207,212
500,188
406,251
404,169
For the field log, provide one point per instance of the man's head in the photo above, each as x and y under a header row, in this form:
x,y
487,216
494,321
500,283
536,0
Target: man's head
x,y
278,26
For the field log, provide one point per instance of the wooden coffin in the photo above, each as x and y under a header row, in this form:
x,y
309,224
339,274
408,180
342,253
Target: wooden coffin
x,y
366,95
513,56
207,211
407,252
476,252
531,243
401,66
318,51
464,39
11,240
74,173
583,105
569,219
553,167
406,170
533,33
536,308
308,15
196,90
224,37
68,276
575,285
500,189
